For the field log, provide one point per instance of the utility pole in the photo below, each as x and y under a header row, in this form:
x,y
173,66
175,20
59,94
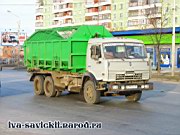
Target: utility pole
x,y
98,10
18,30
173,39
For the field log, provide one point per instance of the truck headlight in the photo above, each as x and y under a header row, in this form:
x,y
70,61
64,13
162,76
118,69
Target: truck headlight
x,y
115,87
122,87
142,86
147,86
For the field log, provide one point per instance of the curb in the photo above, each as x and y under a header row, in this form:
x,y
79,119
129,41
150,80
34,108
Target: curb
x,y
165,80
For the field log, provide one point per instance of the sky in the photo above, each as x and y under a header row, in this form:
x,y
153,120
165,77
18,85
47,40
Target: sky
x,y
25,9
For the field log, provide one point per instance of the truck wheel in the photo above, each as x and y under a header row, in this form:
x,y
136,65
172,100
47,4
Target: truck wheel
x,y
38,85
49,87
91,95
134,97
58,93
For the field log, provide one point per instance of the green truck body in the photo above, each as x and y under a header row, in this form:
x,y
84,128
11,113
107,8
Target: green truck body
x,y
61,49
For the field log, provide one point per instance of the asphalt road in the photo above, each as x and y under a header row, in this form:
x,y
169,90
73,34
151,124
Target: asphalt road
x,y
157,113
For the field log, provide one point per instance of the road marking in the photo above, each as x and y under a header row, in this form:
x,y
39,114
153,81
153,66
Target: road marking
x,y
173,92
170,92
11,81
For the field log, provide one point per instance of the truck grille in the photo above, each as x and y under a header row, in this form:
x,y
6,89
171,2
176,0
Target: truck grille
x,y
135,76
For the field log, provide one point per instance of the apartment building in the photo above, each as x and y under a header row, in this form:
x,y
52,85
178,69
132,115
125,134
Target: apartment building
x,y
114,14
98,12
119,14
141,12
44,14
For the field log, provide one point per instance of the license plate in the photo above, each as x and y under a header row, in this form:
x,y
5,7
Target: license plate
x,y
131,87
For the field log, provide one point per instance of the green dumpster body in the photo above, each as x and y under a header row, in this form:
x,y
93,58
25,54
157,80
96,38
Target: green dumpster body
x,y
61,49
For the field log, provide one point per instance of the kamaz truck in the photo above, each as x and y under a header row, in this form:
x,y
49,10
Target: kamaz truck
x,y
87,60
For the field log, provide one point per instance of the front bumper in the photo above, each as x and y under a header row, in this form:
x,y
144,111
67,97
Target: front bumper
x,y
130,87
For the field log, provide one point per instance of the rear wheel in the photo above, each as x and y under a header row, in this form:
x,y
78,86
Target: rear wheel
x,y
38,85
134,97
91,95
49,87
58,93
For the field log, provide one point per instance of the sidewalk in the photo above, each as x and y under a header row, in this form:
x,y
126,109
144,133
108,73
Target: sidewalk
x,y
13,67
165,75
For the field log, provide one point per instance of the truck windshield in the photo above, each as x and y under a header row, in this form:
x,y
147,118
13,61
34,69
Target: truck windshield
x,y
124,50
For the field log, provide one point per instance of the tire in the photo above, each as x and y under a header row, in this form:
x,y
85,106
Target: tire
x,y
91,95
49,87
134,97
58,93
39,85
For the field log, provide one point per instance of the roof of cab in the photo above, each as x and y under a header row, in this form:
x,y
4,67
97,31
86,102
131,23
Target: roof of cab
x,y
115,39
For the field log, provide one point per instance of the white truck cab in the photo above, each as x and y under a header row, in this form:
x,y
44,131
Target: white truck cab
x,y
119,65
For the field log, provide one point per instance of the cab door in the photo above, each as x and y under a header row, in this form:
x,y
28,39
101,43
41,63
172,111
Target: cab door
x,y
95,63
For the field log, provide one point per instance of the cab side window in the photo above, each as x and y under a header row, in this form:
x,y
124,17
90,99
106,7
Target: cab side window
x,y
95,52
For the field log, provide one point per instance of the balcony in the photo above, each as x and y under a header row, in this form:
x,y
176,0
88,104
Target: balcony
x,y
39,18
59,2
154,12
39,24
97,3
62,24
105,9
39,4
105,17
91,14
92,22
91,18
134,3
104,2
63,15
39,11
105,12
93,3
144,6
62,8
39,21
91,11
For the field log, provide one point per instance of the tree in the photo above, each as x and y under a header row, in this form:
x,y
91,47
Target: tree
x,y
41,2
157,19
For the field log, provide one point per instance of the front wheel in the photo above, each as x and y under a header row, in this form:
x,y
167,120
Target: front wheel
x,y
91,95
134,97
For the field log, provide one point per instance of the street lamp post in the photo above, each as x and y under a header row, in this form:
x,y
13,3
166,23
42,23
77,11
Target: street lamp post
x,y
173,39
18,30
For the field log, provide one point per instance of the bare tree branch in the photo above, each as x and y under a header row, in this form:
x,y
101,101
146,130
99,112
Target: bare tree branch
x,y
157,23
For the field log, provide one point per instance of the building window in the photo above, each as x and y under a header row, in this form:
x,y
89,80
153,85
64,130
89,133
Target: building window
x,y
114,25
114,7
114,16
167,9
121,24
121,15
121,6
100,17
100,8
79,5
176,19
